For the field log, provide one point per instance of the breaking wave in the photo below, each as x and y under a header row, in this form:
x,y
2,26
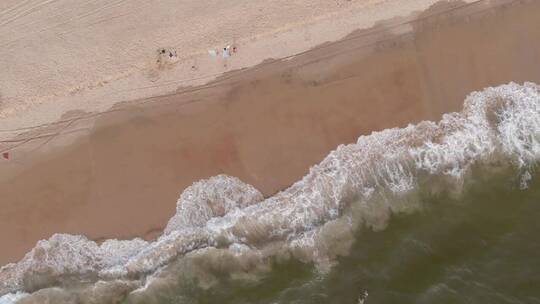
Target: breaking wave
x,y
230,227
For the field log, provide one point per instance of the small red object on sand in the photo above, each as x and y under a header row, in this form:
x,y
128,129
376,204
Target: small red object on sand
x,y
5,155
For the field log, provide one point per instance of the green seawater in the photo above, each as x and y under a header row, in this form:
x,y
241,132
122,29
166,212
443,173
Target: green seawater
x,y
483,247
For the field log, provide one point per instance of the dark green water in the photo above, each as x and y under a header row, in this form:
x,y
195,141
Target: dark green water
x,y
481,248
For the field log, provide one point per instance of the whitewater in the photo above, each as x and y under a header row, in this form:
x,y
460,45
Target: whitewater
x,y
233,229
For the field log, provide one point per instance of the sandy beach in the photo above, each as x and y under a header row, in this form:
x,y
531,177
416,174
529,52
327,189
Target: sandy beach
x,y
61,56
266,121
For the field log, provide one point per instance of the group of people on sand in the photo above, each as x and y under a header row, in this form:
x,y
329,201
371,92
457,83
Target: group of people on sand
x,y
225,53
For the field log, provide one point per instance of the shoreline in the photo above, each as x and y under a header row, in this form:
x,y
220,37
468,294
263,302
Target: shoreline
x,y
243,126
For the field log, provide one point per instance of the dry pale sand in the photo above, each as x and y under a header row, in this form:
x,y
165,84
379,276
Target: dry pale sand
x,y
61,55
119,174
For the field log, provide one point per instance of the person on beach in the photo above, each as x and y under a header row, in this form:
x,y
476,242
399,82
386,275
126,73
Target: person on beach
x,y
226,52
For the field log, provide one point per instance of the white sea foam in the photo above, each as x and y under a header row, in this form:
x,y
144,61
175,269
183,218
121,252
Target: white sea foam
x,y
211,198
11,298
358,184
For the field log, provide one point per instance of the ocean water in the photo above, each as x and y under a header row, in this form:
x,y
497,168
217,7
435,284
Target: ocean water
x,y
480,248
438,212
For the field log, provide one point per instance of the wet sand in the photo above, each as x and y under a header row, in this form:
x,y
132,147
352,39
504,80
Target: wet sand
x,y
120,174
